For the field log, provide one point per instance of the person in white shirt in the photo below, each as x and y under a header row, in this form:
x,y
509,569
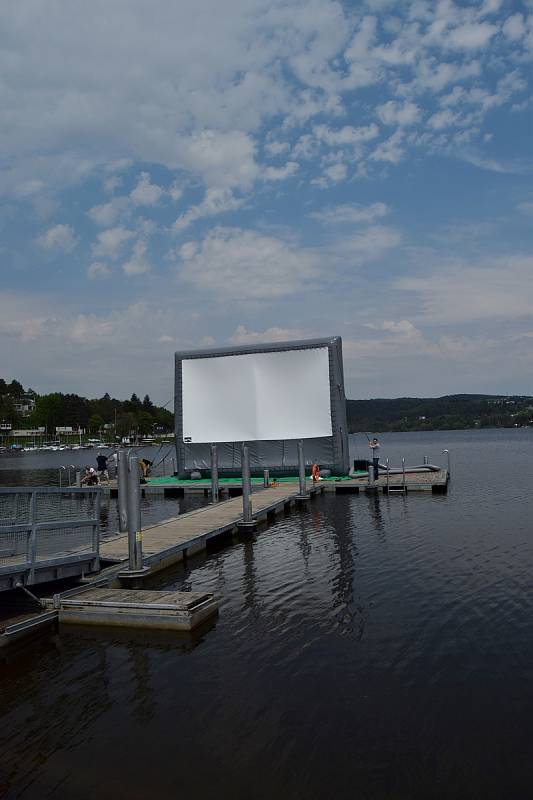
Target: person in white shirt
x,y
375,446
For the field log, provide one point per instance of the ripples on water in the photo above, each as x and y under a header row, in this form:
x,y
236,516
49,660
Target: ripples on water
x,y
367,647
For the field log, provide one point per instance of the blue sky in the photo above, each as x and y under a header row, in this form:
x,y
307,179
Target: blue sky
x,y
181,174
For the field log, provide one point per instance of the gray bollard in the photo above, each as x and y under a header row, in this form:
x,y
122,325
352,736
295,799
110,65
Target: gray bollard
x,y
388,474
448,458
248,523
301,472
403,474
370,473
426,460
134,515
266,478
214,474
78,478
122,484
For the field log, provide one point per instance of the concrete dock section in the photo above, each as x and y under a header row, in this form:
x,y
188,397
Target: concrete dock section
x,y
179,611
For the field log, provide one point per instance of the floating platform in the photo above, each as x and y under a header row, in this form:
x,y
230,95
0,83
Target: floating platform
x,y
128,608
232,487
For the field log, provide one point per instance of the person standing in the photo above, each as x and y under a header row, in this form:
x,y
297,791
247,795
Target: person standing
x,y
376,447
113,460
101,463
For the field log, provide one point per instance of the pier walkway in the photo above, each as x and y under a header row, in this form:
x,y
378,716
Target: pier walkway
x,y
169,542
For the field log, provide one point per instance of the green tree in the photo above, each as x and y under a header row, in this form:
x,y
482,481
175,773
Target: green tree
x,y
126,424
96,423
48,411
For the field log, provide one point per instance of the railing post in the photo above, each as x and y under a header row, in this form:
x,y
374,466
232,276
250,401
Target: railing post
x,y
96,528
214,474
266,478
301,472
122,485
32,538
134,515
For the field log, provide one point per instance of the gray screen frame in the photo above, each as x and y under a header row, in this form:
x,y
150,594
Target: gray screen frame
x,y
279,456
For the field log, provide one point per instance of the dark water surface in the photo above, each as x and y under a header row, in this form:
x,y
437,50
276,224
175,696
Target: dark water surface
x,y
368,647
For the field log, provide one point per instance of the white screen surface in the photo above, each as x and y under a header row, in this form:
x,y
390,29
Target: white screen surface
x,y
243,398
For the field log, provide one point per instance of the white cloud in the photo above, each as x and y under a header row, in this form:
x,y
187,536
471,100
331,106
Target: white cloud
x,y
106,214
280,173
247,265
461,293
224,159
394,113
242,335
60,238
390,150
98,270
403,328
138,263
216,201
354,214
109,243
348,136
471,36
368,245
175,191
514,27
276,148
145,192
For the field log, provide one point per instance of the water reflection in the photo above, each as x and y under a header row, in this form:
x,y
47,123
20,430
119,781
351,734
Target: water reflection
x,y
367,646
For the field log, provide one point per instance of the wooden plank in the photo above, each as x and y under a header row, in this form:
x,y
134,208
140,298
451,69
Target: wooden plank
x,y
190,528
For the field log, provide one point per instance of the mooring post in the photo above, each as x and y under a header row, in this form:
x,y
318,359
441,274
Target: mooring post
x,y
266,478
248,523
214,474
403,475
122,483
448,459
426,460
371,473
134,515
388,476
301,472
78,478
246,488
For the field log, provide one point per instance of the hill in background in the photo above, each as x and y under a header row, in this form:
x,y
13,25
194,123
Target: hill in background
x,y
453,411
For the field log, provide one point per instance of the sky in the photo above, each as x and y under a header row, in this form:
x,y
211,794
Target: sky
x,y
178,174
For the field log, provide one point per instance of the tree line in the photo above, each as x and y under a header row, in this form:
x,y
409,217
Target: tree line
x,y
71,410
451,412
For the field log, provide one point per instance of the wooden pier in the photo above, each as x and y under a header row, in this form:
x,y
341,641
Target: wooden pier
x,y
169,542
102,600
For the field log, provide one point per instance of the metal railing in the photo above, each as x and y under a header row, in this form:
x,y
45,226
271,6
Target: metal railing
x,y
48,526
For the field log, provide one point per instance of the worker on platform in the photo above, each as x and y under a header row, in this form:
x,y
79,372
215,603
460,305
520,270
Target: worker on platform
x,y
375,447
146,466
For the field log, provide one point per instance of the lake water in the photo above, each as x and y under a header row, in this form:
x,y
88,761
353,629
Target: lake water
x,y
367,647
